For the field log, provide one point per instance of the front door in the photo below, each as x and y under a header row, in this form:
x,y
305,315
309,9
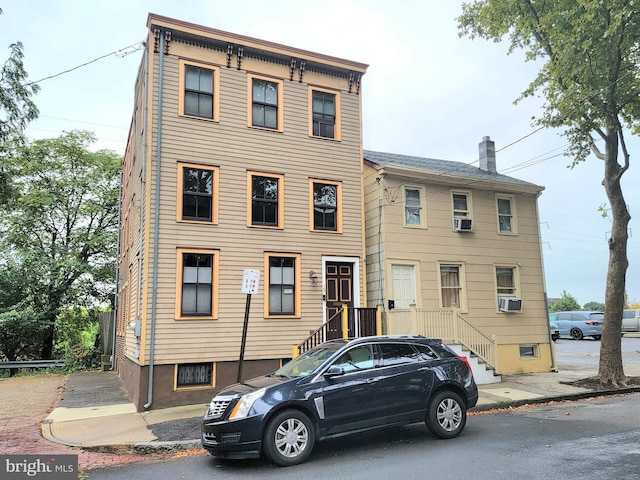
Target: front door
x,y
404,286
339,292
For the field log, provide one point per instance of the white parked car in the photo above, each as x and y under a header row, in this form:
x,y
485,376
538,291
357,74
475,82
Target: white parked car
x,y
631,321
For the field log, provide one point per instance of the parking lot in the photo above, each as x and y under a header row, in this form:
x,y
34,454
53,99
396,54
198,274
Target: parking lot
x,y
585,354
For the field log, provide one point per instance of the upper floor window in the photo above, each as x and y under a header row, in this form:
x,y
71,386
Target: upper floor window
x,y
325,204
265,107
506,281
197,193
506,214
324,106
452,293
414,206
461,204
198,84
283,277
196,288
265,200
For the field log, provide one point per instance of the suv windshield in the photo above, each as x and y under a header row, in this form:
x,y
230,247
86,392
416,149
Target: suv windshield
x,y
307,362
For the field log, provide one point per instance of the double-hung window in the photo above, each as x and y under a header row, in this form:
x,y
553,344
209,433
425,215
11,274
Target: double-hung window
x,y
452,292
414,207
283,277
505,205
324,108
265,201
461,204
325,201
196,285
197,193
198,84
506,281
265,108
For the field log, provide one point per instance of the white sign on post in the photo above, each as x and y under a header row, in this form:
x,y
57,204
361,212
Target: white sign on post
x,y
250,281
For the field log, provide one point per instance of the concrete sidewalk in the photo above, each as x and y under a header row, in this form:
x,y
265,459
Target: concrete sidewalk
x,y
95,412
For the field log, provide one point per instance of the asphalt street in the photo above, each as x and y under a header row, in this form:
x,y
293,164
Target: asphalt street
x,y
586,353
587,440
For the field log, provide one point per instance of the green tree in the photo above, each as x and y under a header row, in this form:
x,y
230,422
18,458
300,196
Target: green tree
x,y
566,303
62,227
590,83
16,110
76,337
596,306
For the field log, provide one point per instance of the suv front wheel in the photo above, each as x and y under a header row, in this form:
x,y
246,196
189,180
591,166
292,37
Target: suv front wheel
x,y
288,438
447,415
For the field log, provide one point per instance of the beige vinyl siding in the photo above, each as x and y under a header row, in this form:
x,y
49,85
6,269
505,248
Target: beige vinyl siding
x,y
236,148
479,251
374,250
132,217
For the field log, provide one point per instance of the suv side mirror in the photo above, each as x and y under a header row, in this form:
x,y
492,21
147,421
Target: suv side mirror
x,y
334,371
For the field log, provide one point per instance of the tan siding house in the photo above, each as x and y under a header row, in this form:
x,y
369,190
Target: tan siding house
x,y
242,154
446,237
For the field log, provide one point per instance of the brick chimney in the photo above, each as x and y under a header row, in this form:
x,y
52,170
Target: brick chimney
x,y
487,155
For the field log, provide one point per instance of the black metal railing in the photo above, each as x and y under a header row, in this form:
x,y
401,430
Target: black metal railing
x,y
366,320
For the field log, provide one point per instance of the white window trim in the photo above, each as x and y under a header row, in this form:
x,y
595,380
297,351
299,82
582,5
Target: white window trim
x,y
423,206
514,217
516,282
469,204
464,306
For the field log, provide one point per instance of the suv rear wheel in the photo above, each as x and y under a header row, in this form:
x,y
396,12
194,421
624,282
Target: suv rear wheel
x,y
288,438
447,415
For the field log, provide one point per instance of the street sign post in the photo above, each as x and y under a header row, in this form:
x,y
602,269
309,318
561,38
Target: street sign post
x,y
250,284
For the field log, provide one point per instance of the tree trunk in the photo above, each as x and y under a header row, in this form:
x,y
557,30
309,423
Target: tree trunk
x,y
47,341
611,371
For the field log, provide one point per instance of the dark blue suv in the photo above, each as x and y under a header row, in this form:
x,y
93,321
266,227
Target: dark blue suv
x,y
337,388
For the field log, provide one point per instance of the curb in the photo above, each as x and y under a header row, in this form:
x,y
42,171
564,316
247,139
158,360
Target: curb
x,y
142,448
559,398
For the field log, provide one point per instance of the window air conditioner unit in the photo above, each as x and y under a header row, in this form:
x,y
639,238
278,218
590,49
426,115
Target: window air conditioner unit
x,y
462,224
510,304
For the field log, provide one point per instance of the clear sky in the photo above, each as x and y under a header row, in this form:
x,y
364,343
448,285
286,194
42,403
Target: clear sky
x,y
427,93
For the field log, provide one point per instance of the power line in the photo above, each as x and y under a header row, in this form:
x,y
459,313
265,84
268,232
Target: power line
x,y
81,121
123,52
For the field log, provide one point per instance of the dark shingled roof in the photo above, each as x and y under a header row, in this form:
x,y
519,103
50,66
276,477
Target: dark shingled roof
x,y
448,167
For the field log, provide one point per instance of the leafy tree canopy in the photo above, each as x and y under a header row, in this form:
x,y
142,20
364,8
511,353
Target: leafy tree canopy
x,y
62,225
566,303
16,110
591,87
595,306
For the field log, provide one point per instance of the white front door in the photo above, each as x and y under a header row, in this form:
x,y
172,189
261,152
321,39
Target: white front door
x,y
404,286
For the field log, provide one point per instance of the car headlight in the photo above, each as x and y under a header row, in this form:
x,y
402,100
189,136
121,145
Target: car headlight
x,y
242,408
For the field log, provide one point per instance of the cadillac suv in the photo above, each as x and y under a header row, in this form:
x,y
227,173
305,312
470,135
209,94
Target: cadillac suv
x,y
337,388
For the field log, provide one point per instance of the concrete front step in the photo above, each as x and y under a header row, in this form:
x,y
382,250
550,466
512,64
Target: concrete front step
x,y
482,373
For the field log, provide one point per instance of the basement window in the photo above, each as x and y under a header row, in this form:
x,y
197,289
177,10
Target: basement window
x,y
529,351
194,375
